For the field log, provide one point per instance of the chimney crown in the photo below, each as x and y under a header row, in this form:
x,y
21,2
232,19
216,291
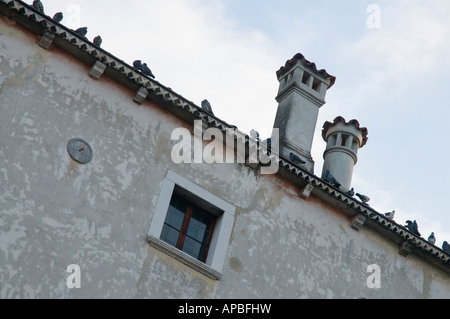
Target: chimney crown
x,y
307,64
329,128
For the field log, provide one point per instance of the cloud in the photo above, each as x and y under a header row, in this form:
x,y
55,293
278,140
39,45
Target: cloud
x,y
192,47
409,45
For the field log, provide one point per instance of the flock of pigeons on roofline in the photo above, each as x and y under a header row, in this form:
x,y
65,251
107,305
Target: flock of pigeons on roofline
x,y
410,225
97,41
145,70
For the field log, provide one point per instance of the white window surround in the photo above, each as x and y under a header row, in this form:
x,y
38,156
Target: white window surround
x,y
222,231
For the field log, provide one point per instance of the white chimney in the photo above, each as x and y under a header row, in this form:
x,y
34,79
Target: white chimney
x,y
301,94
344,139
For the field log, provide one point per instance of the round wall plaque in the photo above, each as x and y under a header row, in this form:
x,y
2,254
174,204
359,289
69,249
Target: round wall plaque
x,y
79,150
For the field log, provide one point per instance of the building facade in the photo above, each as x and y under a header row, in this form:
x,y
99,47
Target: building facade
x,y
98,198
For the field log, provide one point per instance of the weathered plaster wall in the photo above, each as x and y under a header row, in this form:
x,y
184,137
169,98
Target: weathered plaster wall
x,y
55,212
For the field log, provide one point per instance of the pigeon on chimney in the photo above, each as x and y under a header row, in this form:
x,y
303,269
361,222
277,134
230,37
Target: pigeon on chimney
x,y
432,239
207,107
331,179
365,199
295,159
98,41
413,227
38,6
58,17
446,247
390,215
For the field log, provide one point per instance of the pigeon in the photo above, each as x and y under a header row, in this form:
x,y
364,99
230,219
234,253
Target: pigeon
x,y
137,64
365,199
413,227
207,106
146,71
97,41
446,247
82,31
351,192
432,239
254,134
330,178
58,17
38,6
390,215
295,159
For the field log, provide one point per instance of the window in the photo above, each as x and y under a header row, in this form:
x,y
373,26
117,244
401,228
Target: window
x,y
192,225
333,140
305,78
316,84
344,140
188,228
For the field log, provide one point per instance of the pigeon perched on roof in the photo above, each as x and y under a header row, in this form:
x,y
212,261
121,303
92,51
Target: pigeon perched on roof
x,y
38,6
351,192
432,239
97,41
446,247
207,107
82,31
137,64
146,71
390,215
413,227
295,159
58,17
331,179
365,199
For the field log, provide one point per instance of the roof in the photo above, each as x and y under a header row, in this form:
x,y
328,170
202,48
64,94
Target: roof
x,y
310,65
126,75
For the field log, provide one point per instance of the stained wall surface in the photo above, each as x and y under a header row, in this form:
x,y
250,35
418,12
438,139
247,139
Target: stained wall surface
x,y
55,212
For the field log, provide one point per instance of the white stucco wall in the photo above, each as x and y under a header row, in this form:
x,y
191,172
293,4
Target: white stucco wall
x,y
55,212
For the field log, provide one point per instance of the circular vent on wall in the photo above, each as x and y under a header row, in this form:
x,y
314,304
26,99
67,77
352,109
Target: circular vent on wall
x,y
79,150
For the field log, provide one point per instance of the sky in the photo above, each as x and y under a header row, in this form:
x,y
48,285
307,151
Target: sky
x,y
390,59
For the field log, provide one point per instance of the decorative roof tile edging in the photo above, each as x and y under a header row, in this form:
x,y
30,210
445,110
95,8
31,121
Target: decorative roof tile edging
x,y
168,95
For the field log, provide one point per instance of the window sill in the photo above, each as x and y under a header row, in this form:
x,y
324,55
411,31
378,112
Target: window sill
x,y
184,258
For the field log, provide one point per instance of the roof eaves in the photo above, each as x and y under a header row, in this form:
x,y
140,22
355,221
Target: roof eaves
x,y
402,233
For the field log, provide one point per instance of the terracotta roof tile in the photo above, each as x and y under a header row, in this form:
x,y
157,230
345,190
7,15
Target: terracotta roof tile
x,y
300,57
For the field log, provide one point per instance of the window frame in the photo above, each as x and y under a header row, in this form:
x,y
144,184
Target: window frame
x,y
186,224
222,210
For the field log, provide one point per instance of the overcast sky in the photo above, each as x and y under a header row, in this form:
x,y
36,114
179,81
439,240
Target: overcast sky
x,y
390,58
